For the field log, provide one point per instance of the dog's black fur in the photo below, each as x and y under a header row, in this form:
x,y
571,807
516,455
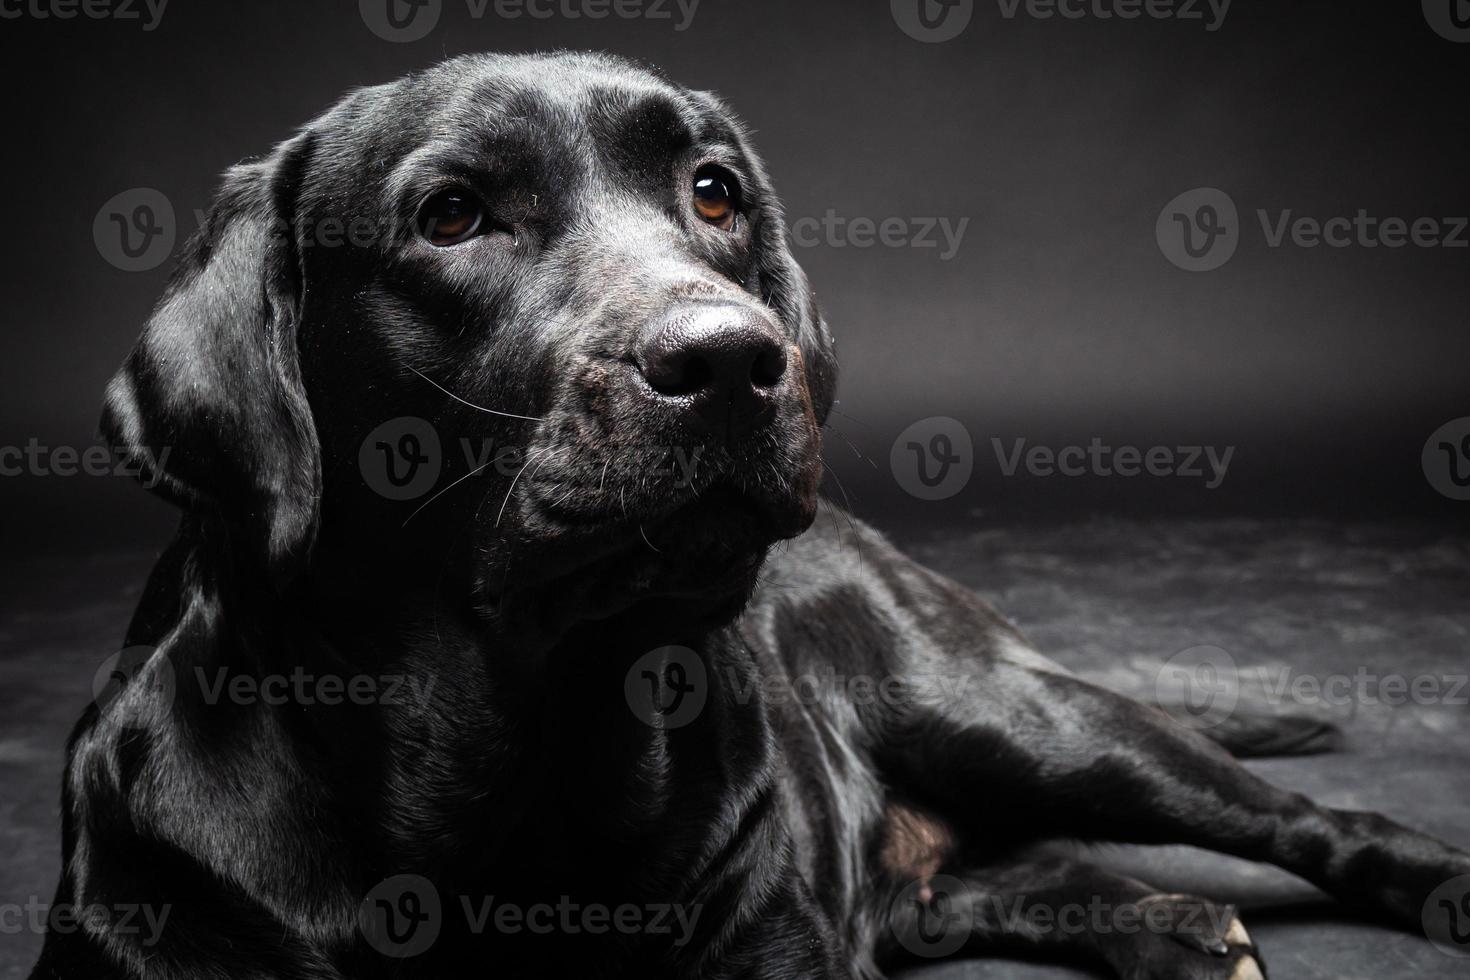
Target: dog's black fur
x,y
807,835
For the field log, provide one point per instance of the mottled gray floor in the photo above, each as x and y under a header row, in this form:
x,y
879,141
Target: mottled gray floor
x,y
1110,600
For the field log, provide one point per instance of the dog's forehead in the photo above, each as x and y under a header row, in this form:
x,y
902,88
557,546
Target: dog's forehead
x,y
561,105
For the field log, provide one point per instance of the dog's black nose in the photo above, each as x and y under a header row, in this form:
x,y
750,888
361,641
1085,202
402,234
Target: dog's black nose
x,y
724,361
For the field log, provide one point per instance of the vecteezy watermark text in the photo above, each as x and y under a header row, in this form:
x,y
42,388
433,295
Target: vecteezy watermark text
x,y
38,459
934,21
403,916
139,921
1211,13
1363,686
1099,459
139,683
148,12
412,20
301,687
837,231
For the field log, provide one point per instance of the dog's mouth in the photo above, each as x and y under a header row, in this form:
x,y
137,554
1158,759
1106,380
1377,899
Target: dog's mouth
x,y
722,524
700,490
674,511
601,553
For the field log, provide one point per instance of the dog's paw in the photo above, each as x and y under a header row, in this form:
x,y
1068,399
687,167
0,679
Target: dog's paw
x,y
1187,938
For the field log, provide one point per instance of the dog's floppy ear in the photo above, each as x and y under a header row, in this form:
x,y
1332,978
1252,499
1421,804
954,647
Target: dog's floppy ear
x,y
818,350
209,406
790,294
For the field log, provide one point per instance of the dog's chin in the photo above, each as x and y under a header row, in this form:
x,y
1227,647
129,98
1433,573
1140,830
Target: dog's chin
x,y
690,566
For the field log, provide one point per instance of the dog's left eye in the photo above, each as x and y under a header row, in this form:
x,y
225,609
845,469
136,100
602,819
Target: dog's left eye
x,y
450,217
715,193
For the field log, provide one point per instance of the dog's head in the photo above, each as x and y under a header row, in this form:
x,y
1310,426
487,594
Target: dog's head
x,y
543,308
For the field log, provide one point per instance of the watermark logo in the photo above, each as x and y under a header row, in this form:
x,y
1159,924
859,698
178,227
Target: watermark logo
x,y
934,458
135,230
1199,230
401,21
402,916
401,459
667,688
1446,917
129,681
1449,18
933,917
1446,459
1201,686
932,21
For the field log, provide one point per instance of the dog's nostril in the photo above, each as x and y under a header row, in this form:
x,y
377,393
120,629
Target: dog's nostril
x,y
769,367
676,375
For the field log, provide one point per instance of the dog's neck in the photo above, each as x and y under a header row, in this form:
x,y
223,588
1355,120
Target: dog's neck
x,y
494,718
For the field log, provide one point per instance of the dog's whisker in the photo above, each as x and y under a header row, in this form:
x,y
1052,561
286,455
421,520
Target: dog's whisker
x,y
545,457
478,408
851,445
474,472
512,488
846,512
837,411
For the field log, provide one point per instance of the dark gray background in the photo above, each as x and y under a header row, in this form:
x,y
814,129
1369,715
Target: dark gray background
x,y
1326,550
1058,321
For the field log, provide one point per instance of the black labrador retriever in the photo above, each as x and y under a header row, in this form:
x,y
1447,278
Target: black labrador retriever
x,y
610,693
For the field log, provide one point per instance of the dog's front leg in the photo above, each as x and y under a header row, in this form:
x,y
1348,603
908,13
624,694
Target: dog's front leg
x,y
1045,752
767,934
1057,906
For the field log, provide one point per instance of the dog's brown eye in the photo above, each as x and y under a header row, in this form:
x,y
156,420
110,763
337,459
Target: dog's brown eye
x,y
450,217
714,196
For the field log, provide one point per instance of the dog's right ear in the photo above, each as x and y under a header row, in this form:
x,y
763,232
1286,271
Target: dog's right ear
x,y
209,406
